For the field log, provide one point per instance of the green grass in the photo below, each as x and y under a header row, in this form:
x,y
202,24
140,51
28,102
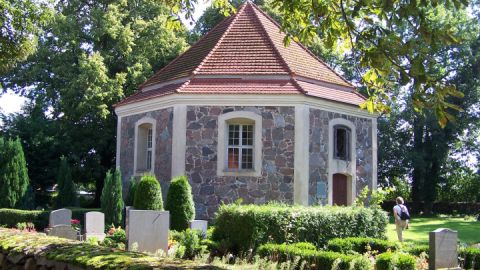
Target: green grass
x,y
468,230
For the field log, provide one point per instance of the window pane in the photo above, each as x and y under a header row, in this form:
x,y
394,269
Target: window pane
x,y
341,143
149,138
149,159
247,135
234,135
247,158
233,158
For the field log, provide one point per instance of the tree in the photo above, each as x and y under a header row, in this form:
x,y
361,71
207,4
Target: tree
x,y
132,187
90,56
14,180
67,194
112,200
21,23
180,203
386,40
148,194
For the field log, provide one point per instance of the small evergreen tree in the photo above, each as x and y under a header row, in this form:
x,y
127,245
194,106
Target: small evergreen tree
x,y
131,191
111,199
180,203
148,194
14,180
67,194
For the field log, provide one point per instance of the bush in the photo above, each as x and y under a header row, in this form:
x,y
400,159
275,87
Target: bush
x,y
471,257
417,249
242,227
180,203
11,217
111,199
361,263
397,261
360,245
116,238
67,194
148,195
189,242
323,260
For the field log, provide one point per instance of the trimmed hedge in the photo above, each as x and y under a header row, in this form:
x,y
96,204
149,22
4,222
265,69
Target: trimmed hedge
x,y
244,227
148,194
10,217
417,249
180,203
84,255
322,260
397,261
471,257
360,245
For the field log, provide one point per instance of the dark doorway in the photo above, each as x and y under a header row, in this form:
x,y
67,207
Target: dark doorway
x,y
340,189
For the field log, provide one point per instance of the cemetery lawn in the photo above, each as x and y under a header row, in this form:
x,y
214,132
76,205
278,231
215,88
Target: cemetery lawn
x,y
468,230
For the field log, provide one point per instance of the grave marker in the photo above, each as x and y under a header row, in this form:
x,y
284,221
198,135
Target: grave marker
x,y
95,225
443,249
148,230
60,217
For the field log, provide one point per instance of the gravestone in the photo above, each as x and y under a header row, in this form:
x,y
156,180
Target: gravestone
x,y
63,231
443,249
60,217
95,225
148,230
201,225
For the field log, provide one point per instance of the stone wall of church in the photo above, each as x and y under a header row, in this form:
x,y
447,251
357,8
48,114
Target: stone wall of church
x,y
163,146
319,132
276,180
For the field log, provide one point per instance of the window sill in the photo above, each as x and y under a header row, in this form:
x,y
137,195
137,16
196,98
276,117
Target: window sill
x,y
247,172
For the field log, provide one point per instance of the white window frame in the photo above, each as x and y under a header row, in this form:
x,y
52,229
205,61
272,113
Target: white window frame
x,y
152,122
240,145
240,118
346,167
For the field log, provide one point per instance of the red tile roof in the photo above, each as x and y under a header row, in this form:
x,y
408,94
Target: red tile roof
x,y
248,43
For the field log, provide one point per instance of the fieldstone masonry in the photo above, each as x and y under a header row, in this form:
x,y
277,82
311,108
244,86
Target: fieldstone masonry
x,y
318,180
278,139
163,145
276,181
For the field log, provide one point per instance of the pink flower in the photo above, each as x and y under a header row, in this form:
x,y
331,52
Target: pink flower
x,y
75,221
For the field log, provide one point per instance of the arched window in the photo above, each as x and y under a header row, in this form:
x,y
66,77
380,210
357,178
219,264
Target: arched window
x,y
342,138
144,146
239,144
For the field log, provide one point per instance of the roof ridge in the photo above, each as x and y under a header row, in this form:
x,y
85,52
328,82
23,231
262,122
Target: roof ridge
x,y
233,20
183,53
301,45
289,69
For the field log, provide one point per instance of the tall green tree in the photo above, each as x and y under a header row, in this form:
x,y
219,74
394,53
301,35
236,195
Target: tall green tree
x,y
14,180
21,22
180,203
90,56
67,193
387,41
112,200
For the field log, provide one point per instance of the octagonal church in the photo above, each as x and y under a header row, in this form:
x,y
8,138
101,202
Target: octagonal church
x,y
245,117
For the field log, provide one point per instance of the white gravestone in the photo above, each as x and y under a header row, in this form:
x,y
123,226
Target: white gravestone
x,y
63,231
60,217
443,249
95,225
201,225
148,230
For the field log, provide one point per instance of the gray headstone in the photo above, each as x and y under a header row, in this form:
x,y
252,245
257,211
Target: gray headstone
x,y
63,231
443,249
60,217
95,225
148,230
201,225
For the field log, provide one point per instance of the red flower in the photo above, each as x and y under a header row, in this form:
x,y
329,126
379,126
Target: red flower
x,y
75,221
